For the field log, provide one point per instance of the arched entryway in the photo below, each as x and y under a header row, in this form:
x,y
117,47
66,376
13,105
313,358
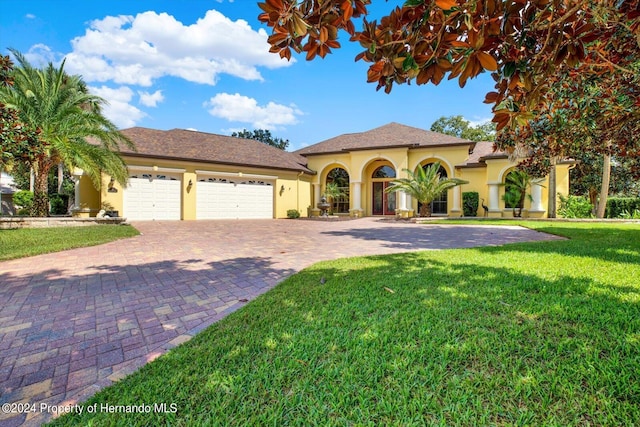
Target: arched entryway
x,y
383,203
339,177
439,205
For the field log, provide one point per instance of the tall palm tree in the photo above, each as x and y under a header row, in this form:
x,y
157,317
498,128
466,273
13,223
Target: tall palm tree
x,y
68,116
424,185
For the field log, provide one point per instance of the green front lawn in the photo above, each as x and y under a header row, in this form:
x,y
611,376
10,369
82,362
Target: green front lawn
x,y
541,333
22,242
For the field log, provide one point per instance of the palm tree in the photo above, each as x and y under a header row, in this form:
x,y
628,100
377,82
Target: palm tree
x,y
333,192
424,185
67,116
516,185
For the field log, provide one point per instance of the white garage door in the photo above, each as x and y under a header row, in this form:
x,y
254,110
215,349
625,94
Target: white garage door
x,y
220,198
151,197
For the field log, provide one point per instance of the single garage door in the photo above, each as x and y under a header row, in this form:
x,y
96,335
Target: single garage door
x,y
222,198
152,197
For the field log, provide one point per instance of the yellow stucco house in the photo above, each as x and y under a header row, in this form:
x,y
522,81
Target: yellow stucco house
x,y
187,175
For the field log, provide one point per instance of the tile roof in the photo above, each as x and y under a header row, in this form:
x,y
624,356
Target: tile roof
x,y
181,144
387,136
481,151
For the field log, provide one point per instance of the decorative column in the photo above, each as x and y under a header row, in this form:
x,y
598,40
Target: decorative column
x,y
494,197
356,200
316,199
455,209
537,209
77,209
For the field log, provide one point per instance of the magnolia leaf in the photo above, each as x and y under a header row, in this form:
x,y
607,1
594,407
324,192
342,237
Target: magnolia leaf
x,y
487,61
446,4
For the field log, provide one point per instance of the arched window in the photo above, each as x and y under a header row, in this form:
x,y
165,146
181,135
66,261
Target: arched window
x,y
384,172
439,205
513,197
339,202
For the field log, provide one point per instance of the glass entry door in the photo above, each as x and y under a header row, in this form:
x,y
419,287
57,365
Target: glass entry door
x,y
383,203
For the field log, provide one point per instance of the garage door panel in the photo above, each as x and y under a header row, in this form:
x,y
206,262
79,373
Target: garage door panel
x,y
152,197
227,199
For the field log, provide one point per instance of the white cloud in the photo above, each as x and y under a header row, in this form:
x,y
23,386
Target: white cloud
x,y
478,121
229,131
30,16
150,99
119,110
239,108
39,55
136,50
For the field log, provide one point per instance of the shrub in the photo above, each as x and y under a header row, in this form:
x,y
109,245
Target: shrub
x,y
58,204
628,215
616,206
575,207
293,213
24,199
470,202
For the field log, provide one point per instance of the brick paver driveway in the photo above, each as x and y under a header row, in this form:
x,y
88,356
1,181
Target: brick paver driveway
x,y
75,321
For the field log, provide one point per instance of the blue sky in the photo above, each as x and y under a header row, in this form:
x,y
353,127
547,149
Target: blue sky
x,y
205,65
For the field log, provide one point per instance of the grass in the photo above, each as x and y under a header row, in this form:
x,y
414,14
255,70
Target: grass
x,y
23,242
541,333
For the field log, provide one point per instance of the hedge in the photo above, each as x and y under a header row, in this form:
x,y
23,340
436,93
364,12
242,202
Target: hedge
x,y
616,206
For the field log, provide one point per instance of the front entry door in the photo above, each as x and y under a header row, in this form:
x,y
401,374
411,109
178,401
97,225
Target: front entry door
x,y
383,203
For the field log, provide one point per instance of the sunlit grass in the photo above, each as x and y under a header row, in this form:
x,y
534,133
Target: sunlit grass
x,y
543,333
22,242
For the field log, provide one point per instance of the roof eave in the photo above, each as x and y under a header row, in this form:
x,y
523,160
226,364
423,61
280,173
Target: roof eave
x,y
409,146
183,159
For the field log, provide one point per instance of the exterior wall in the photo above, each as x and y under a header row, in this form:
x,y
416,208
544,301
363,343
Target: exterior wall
x,y
296,194
477,178
89,203
302,192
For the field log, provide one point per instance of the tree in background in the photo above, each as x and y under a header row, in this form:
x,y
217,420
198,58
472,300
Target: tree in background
x,y
263,135
461,128
530,46
65,114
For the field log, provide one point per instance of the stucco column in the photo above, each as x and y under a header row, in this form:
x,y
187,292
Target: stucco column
x,y
456,199
316,193
536,196
316,199
402,199
356,198
494,197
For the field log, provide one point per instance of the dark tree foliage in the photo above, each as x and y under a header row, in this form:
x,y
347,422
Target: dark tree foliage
x,y
263,135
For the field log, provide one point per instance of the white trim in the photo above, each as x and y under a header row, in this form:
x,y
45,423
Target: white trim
x,y
331,163
155,169
236,174
439,159
372,159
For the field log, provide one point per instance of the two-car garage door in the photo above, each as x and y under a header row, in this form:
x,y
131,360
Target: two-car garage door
x,y
158,196
224,198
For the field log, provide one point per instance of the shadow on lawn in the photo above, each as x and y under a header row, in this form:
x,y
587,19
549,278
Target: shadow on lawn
x,y
62,333
620,245
405,337
434,236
